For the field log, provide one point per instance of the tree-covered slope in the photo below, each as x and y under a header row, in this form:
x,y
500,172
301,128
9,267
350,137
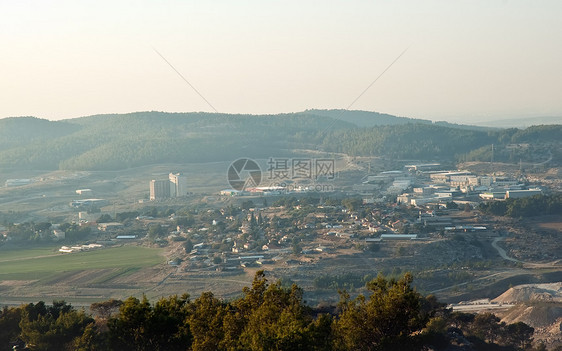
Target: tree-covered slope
x,y
18,131
422,141
365,118
120,141
371,119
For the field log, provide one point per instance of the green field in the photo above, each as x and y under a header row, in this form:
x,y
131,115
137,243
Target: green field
x,y
35,263
20,254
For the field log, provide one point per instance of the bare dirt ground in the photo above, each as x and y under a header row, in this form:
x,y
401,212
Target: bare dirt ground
x,y
15,283
538,305
556,226
534,240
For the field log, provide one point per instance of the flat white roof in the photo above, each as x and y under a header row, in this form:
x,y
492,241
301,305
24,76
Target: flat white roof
x,y
399,236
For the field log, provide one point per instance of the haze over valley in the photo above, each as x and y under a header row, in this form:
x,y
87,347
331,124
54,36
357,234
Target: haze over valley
x,y
191,175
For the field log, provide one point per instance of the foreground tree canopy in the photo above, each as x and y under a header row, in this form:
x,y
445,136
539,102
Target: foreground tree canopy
x,y
268,316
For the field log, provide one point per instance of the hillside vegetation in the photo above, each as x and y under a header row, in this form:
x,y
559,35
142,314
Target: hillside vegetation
x,y
538,205
110,142
393,316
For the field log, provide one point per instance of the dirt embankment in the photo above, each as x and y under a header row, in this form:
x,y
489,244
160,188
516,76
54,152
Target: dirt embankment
x,y
551,292
538,305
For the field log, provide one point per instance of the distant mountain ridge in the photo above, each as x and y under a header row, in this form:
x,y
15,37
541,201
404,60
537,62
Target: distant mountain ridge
x,y
365,118
521,122
18,130
117,141
371,119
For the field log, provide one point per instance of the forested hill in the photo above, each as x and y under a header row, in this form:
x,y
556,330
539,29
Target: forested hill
x,y
22,130
128,140
418,141
116,141
372,119
366,118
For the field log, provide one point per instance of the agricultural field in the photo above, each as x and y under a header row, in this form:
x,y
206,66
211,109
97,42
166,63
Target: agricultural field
x,y
31,274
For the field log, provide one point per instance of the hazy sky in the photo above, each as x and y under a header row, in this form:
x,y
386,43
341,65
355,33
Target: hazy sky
x,y
466,59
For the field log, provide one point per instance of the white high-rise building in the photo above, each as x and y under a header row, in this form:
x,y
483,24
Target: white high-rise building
x,y
159,189
178,185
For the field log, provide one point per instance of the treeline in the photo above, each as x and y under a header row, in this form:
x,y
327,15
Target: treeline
x,y
525,207
268,316
341,281
42,232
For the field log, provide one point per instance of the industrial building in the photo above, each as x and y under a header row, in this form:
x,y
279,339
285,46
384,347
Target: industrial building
x,y
422,167
495,195
445,177
504,181
516,194
510,194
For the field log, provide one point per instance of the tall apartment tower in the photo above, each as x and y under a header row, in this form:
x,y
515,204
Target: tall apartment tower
x,y
159,189
178,184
